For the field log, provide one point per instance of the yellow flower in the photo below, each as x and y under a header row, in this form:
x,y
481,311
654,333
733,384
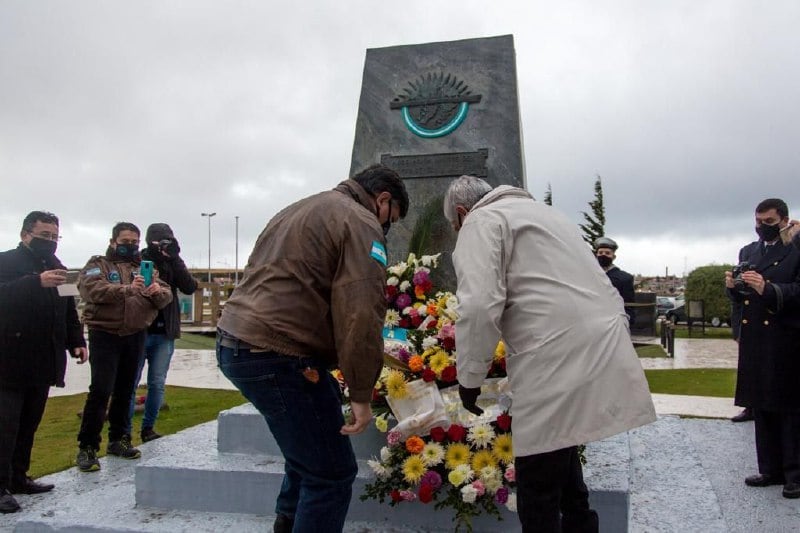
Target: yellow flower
x,y
500,351
439,361
457,454
382,424
502,449
396,384
481,459
413,469
456,477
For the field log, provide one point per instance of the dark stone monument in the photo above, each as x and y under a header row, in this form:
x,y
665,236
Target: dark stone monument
x,y
434,112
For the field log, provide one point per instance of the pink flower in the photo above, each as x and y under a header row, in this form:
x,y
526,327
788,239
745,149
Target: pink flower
x,y
479,487
432,478
404,355
403,301
393,438
501,496
408,495
447,331
420,278
510,474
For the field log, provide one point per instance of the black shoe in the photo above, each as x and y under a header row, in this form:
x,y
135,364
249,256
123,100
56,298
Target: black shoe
x,y
762,480
29,486
87,459
791,490
8,504
148,434
123,448
745,416
283,524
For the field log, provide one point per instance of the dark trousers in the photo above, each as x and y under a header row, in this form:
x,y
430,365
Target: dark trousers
x,y
778,444
20,413
114,361
551,494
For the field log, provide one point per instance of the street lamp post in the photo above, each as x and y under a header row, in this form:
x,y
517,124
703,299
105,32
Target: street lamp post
x,y
209,215
236,265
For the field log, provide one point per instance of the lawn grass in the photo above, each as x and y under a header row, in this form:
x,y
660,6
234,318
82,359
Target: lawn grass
x,y
56,442
682,332
716,382
195,341
650,351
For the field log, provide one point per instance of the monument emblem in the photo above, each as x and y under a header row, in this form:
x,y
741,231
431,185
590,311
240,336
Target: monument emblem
x,y
435,104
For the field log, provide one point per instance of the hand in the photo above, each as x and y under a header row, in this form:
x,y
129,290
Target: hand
x,y
52,278
729,279
755,280
138,283
362,415
794,228
468,399
152,289
81,354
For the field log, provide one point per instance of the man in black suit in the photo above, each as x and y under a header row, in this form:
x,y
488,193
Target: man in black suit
x,y
606,251
37,327
765,291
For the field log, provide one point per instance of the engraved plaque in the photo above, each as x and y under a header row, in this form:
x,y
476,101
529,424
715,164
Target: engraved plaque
x,y
439,165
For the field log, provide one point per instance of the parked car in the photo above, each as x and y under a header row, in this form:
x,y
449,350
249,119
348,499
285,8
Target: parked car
x,y
664,304
677,313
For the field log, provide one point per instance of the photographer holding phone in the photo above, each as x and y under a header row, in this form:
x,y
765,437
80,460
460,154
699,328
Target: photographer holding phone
x,y
119,308
37,327
164,253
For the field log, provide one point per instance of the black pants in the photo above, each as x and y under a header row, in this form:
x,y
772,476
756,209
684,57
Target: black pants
x,y
20,413
778,444
551,494
114,362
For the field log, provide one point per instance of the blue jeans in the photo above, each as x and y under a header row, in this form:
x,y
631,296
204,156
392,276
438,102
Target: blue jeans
x,y
158,354
305,419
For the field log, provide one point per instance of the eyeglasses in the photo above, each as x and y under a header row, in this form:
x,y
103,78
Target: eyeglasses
x,y
46,235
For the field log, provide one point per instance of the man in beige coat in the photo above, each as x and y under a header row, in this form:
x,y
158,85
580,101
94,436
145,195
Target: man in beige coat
x,y
525,274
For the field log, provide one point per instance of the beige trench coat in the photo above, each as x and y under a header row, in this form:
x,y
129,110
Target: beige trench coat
x,y
526,275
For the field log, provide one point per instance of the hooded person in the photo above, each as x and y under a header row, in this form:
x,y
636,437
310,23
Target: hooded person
x,y
162,248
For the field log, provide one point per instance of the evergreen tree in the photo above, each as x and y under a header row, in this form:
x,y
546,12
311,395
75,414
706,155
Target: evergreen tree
x,y
596,221
548,195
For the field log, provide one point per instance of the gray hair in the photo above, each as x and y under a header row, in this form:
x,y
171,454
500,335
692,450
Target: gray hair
x,y
464,191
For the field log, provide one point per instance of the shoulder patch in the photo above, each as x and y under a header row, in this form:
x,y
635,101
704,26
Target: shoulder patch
x,y
114,277
92,272
378,252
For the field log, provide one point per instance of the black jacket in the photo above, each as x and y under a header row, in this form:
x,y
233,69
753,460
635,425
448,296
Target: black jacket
x,y
173,271
768,330
37,325
623,282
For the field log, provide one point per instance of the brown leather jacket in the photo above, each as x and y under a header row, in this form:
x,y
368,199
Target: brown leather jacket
x,y
111,305
314,286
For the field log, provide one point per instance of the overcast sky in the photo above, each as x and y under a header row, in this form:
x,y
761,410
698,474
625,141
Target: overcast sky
x,y
159,111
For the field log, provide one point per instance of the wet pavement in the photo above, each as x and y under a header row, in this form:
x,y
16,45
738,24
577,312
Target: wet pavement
x,y
198,368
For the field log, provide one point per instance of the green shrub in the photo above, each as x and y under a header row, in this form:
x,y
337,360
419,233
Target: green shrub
x,y
707,283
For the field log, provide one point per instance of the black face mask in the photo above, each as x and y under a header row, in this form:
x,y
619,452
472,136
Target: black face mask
x,y
43,248
128,251
768,233
388,224
604,261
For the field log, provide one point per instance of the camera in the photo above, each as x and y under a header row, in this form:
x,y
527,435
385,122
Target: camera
x,y
738,283
163,244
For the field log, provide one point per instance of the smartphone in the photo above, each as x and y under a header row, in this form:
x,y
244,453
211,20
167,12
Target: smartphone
x,y
146,271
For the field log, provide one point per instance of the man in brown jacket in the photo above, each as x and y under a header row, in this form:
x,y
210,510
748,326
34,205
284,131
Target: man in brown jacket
x,y
312,297
118,309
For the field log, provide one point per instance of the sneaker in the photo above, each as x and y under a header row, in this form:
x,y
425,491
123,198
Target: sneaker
x,y
123,448
87,459
148,434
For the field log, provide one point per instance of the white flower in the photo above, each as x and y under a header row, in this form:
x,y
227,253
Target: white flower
x,y
512,502
491,478
469,493
429,260
422,269
429,342
404,285
411,259
380,471
407,310
398,269
392,318
385,454
422,310
393,281
432,454
481,435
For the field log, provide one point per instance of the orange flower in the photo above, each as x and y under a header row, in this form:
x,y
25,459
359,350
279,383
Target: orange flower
x,y
419,292
431,310
414,444
415,364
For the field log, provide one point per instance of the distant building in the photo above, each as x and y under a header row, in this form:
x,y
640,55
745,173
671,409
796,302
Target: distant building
x,y
661,285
